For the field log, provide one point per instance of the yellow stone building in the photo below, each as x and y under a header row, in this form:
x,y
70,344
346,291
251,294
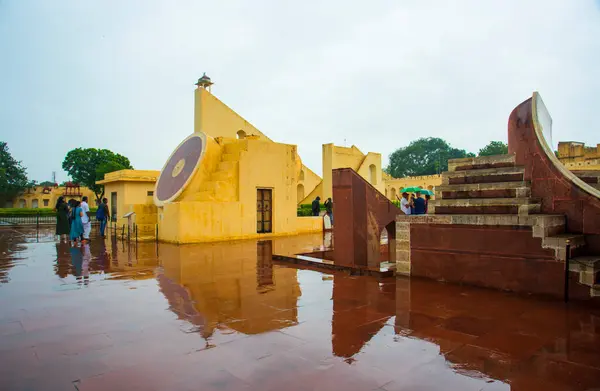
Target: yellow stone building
x,y
229,181
366,165
132,191
393,186
46,196
576,156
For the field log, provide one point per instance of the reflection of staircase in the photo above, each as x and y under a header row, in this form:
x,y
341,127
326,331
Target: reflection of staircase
x,y
491,191
222,185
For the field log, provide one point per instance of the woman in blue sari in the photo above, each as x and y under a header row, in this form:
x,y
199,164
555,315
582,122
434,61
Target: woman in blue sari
x,y
76,224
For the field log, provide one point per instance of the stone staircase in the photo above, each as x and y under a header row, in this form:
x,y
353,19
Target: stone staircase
x,y
222,185
491,190
590,177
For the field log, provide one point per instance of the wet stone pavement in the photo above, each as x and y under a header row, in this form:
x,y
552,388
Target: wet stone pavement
x,y
110,316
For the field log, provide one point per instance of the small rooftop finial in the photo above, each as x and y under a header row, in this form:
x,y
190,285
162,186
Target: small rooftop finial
x,y
204,82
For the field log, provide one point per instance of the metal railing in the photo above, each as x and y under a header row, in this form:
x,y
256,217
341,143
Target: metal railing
x,y
36,219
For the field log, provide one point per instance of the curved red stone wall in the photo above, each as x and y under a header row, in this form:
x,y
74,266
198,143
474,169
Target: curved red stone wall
x,y
558,191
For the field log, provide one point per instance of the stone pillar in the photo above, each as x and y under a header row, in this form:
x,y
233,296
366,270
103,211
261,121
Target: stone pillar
x,y
402,247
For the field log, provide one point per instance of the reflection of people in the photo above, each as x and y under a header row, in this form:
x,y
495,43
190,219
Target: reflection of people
x,y
329,209
76,225
85,218
85,264
62,218
316,207
76,262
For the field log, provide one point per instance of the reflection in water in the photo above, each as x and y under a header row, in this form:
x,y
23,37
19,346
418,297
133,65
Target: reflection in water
x,y
408,334
234,286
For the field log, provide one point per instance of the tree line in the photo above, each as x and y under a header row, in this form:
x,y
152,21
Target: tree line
x,y
85,166
428,156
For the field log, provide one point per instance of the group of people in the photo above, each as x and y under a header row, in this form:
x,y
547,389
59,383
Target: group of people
x,y
73,219
414,204
316,207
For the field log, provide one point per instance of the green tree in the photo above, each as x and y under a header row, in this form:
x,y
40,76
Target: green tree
x,y
425,156
13,176
494,148
107,167
47,184
82,165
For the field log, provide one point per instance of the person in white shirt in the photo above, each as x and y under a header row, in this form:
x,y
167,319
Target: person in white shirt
x,y
405,204
85,219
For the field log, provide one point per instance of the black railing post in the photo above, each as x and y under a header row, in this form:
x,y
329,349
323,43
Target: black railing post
x,y
567,271
123,233
37,221
136,234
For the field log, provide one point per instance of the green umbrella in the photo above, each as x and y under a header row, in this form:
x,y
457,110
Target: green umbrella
x,y
411,189
425,191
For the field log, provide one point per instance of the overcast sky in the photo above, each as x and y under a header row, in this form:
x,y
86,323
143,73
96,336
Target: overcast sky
x,y
378,74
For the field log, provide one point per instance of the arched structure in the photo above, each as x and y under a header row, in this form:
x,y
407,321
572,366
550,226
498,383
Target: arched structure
x,y
393,193
241,134
373,174
300,192
35,203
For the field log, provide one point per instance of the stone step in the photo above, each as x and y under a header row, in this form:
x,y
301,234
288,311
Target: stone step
x,y
227,165
559,244
588,267
518,206
234,148
519,189
592,178
223,175
484,175
470,163
230,157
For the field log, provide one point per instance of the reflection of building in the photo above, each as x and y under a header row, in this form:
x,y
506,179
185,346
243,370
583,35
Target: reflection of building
x,y
361,307
233,285
46,196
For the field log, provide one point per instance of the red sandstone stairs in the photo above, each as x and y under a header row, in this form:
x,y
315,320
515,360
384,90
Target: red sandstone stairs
x,y
491,190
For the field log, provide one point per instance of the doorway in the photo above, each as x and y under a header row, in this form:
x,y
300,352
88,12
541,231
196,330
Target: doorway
x,y
113,206
264,210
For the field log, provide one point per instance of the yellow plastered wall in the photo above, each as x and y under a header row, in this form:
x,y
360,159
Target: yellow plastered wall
x,y
576,152
132,187
394,186
368,166
216,119
262,164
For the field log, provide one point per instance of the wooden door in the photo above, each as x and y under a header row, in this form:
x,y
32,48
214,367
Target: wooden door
x,y
264,211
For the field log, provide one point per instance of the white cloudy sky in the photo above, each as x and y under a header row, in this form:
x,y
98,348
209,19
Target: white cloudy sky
x,y
378,74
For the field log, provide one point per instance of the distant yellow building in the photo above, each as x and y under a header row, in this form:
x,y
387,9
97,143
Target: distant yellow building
x,y
132,191
576,156
46,196
394,186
